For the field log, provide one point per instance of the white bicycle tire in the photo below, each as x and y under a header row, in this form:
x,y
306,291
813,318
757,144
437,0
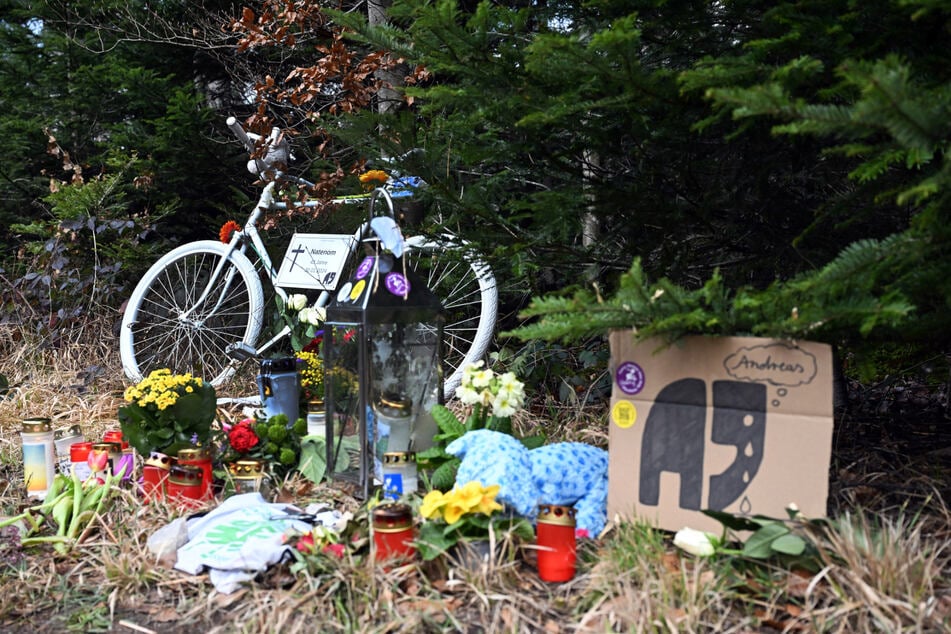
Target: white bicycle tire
x,y
188,348
461,296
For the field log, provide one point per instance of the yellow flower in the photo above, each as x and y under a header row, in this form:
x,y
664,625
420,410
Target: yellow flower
x,y
469,495
372,176
453,512
487,504
432,504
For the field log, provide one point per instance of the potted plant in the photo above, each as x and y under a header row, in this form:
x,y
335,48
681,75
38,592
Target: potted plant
x,y
456,521
166,412
492,398
273,441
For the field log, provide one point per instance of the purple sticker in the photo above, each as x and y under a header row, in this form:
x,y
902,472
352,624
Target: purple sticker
x,y
629,377
365,267
397,284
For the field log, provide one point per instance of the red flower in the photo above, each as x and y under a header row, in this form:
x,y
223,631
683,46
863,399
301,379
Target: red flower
x,y
224,234
314,344
335,549
242,437
306,543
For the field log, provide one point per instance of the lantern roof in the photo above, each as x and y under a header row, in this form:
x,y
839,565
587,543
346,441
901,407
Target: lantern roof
x,y
382,290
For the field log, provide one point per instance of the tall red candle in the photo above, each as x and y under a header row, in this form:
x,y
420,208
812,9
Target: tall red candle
x,y
199,457
555,537
154,475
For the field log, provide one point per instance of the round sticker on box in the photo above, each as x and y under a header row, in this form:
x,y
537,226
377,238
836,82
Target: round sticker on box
x,y
629,377
365,267
357,289
343,294
624,414
397,284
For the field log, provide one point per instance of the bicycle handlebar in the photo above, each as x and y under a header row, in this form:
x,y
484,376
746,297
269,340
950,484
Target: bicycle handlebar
x,y
247,140
276,147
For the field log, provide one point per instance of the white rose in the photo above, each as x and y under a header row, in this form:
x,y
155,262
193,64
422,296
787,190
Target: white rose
x,y
695,542
314,316
297,301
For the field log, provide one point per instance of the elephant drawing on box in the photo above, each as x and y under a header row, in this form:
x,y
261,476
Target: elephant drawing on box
x,y
674,439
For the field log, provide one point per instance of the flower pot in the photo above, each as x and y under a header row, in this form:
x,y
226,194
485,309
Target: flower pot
x,y
475,555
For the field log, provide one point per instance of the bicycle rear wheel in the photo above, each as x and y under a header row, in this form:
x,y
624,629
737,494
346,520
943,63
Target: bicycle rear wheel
x,y
467,288
164,326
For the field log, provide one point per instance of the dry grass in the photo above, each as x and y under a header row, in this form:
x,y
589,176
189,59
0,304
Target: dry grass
x,y
885,571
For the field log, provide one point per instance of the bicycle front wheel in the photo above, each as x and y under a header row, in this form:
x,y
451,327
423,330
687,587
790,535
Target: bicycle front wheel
x,y
165,325
466,287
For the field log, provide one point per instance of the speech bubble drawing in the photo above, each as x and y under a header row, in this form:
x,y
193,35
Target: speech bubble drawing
x,y
775,363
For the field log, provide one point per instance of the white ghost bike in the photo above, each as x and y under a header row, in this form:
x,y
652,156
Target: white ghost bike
x,y
200,308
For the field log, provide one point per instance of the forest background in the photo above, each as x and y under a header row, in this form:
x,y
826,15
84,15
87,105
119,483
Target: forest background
x,y
784,165
733,167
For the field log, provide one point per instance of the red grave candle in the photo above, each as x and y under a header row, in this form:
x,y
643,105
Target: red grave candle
x,y
555,537
393,532
199,457
155,475
185,485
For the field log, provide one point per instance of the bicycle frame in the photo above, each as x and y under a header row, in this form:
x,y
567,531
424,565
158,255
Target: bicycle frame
x,y
249,234
167,318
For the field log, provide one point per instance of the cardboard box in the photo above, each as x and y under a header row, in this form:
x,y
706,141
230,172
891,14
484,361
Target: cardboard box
x,y
737,424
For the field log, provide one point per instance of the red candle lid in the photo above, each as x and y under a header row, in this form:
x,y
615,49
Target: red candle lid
x,y
554,514
79,451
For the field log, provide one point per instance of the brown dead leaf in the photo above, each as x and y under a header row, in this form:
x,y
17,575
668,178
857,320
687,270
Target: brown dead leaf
x,y
166,615
671,562
224,600
423,606
506,615
552,626
785,619
676,615
797,583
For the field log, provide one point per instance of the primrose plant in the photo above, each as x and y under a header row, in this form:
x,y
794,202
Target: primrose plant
x,y
490,399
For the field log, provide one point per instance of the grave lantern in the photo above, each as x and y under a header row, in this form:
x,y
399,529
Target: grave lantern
x,y
382,369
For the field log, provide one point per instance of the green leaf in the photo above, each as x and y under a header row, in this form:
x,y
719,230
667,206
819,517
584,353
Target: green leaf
x,y
789,545
475,421
431,454
447,422
533,442
433,540
731,521
313,459
759,545
445,475
500,423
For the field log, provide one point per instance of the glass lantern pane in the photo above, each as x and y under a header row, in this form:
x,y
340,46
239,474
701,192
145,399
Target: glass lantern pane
x,y
342,380
405,379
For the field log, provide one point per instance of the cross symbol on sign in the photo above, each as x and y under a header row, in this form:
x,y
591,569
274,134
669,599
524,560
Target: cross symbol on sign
x,y
300,249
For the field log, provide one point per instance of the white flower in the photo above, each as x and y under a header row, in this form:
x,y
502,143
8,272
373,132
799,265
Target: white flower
x,y
297,301
468,371
695,542
482,378
313,316
514,390
467,395
508,382
504,405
